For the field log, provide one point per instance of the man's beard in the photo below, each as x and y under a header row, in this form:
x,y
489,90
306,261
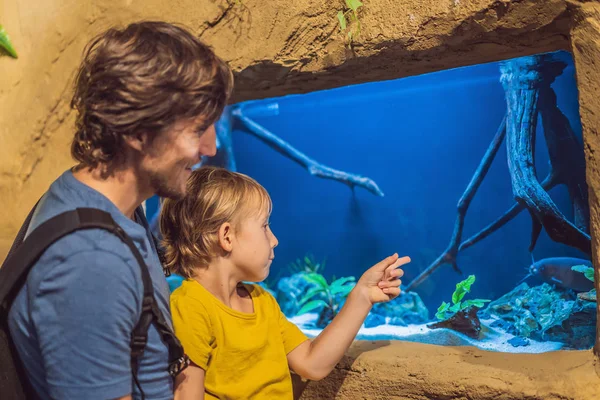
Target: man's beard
x,y
164,187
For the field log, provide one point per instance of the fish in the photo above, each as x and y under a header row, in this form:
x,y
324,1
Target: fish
x,y
557,271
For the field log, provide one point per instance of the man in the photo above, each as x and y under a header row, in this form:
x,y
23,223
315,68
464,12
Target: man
x,y
146,99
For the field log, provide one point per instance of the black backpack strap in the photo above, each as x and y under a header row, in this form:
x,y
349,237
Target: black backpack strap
x,y
24,254
178,360
22,232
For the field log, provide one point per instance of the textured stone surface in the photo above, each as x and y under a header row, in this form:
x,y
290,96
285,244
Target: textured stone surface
x,y
305,50
402,370
585,38
545,313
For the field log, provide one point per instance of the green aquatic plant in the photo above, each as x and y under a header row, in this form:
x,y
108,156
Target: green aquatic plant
x,y
352,7
328,297
462,288
5,43
588,272
307,264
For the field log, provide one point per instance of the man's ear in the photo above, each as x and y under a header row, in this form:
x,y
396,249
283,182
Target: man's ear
x,y
226,237
137,141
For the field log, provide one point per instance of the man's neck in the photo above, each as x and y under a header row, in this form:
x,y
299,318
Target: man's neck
x,y
122,187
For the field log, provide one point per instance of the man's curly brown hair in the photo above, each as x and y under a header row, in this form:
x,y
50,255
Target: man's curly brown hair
x,y
142,79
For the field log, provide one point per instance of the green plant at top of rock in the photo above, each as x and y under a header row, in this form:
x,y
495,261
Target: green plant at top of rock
x,y
327,296
352,7
5,43
588,272
462,288
307,264
585,270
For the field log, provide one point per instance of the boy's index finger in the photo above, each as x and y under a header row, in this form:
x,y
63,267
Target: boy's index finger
x,y
399,262
404,260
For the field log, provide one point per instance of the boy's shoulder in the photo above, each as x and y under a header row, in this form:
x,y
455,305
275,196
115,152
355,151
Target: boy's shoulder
x,y
192,296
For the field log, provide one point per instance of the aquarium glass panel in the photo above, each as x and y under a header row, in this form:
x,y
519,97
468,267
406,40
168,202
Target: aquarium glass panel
x,y
359,172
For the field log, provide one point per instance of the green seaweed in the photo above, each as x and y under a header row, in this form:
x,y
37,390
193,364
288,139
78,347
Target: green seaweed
x,y
588,272
462,288
585,270
307,264
323,295
5,43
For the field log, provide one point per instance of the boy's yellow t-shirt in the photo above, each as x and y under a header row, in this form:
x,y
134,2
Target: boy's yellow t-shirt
x,y
244,355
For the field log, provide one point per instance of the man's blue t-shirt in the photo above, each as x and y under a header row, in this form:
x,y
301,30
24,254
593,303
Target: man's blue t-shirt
x,y
72,320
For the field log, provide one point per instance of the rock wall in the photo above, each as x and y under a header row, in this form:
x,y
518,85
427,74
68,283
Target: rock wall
x,y
276,47
585,39
403,370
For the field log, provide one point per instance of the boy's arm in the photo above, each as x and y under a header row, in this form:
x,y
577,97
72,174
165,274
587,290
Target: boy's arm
x,y
189,384
315,359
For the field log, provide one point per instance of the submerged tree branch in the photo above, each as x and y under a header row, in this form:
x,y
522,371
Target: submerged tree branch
x,y
566,156
511,213
449,255
313,167
522,79
527,82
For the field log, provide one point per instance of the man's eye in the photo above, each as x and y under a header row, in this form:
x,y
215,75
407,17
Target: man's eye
x,y
201,129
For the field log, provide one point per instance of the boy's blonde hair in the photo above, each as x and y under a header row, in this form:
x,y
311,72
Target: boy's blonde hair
x,y
190,226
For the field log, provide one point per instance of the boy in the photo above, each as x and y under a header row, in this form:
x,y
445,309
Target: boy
x,y
240,343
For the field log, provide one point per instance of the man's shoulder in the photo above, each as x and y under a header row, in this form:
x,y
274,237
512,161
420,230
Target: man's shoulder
x,y
81,250
83,255
67,195
93,241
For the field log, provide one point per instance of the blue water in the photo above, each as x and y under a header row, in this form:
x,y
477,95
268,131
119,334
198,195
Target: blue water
x,y
420,139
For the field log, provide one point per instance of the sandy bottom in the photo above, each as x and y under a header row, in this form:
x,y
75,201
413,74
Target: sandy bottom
x,y
417,363
491,339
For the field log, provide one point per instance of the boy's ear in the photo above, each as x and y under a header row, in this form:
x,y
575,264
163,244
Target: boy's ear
x,y
225,237
136,141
